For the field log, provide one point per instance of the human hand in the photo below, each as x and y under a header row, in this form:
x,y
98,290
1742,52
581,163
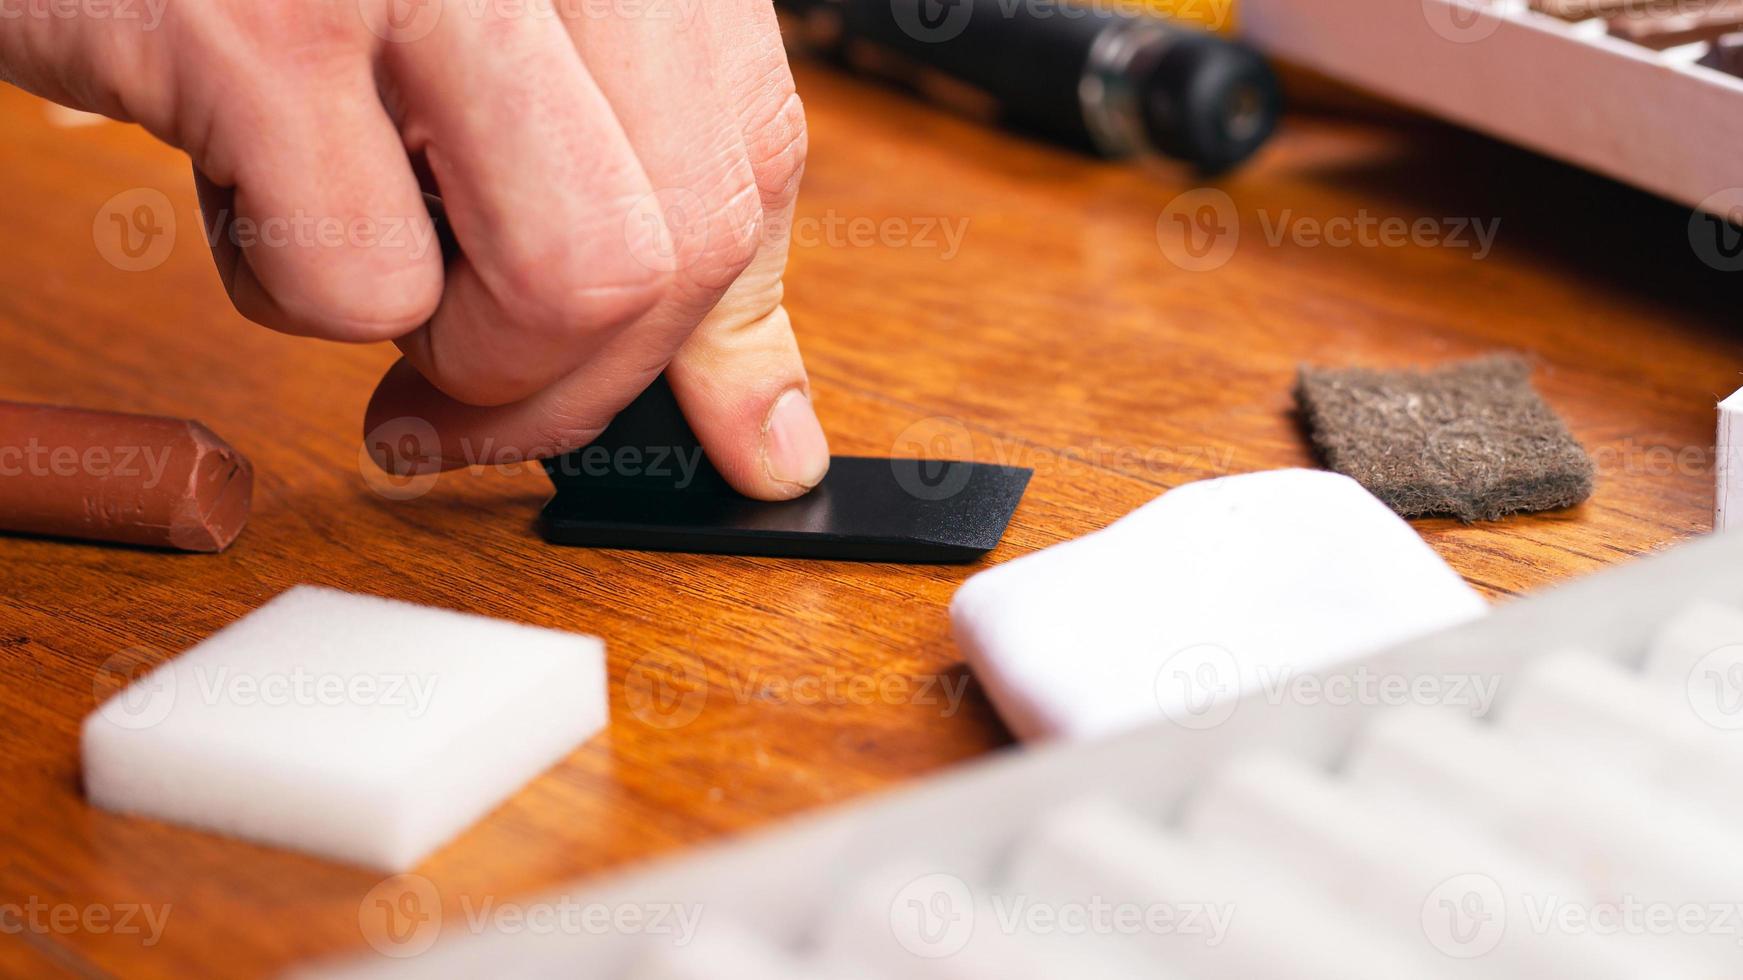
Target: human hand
x,y
619,176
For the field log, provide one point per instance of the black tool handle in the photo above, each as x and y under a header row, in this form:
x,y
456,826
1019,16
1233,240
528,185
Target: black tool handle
x,y
647,447
1060,71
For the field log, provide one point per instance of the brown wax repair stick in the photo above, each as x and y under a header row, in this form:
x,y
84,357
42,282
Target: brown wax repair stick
x,y
131,479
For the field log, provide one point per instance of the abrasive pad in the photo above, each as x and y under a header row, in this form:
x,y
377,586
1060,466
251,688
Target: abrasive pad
x,y
1472,440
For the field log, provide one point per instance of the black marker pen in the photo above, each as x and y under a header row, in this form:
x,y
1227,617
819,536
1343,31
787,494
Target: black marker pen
x,y
1111,83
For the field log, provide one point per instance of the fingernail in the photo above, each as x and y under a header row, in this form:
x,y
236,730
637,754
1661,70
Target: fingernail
x,y
794,447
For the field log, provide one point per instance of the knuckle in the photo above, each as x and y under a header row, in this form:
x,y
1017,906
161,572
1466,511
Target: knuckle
x,y
777,143
310,34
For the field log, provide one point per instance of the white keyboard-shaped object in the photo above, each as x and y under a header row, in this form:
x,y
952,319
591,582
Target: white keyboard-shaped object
x,y
1553,792
1644,91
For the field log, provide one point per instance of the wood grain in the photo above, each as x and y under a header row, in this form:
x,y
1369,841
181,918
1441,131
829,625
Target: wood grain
x,y
1056,334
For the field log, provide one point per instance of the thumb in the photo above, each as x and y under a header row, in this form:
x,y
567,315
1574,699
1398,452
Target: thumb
x,y
742,385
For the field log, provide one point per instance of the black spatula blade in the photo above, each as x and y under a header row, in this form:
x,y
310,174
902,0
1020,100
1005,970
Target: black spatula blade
x,y
644,484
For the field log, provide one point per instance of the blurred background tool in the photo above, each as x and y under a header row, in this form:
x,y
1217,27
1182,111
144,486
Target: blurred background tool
x,y
1113,83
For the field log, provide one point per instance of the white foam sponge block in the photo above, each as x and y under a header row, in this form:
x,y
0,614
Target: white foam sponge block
x,y
352,727
1210,591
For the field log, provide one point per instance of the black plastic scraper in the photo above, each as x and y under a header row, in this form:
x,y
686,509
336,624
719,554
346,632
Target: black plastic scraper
x,y
645,484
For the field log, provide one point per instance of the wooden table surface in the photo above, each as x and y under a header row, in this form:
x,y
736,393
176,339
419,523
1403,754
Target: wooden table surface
x,y
1054,331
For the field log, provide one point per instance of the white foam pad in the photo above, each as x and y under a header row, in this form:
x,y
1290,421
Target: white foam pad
x,y
1238,582
352,727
